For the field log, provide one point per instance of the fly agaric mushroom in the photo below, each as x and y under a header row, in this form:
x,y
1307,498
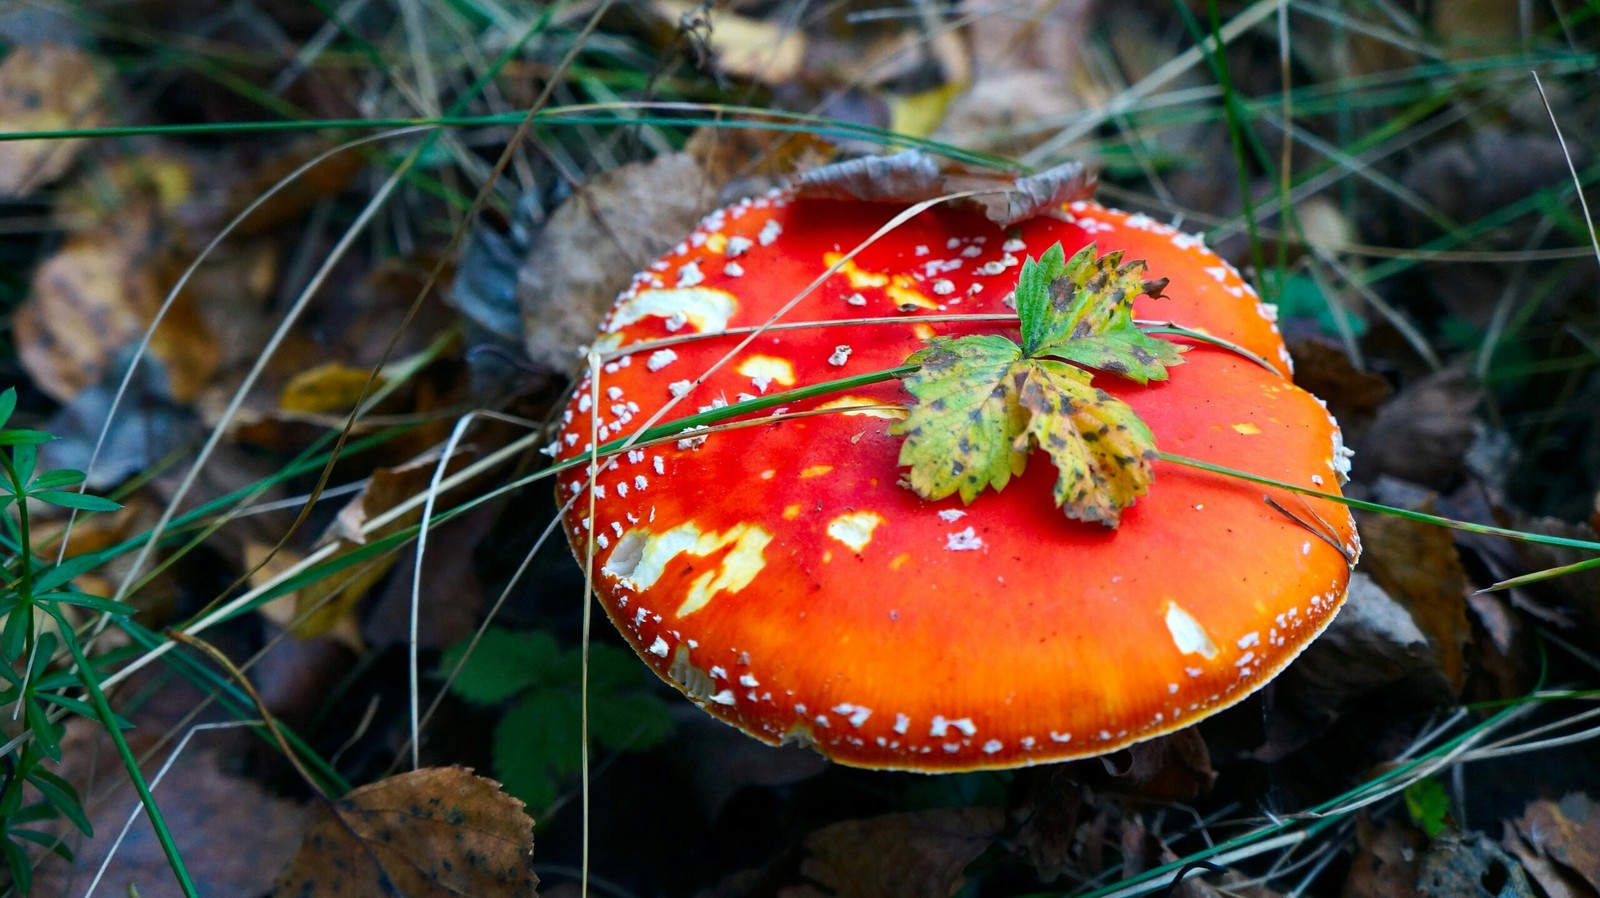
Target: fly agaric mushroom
x,y
785,577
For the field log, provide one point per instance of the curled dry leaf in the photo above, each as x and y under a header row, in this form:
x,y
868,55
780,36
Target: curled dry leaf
x,y
914,176
431,833
1565,836
46,88
584,257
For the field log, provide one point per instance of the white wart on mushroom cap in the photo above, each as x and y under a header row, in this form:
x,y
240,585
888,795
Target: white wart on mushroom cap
x,y
781,576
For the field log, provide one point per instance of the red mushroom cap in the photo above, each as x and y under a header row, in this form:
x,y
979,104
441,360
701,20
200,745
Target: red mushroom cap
x,y
783,578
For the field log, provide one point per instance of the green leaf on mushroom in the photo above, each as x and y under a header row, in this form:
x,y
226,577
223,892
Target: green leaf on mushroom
x,y
984,403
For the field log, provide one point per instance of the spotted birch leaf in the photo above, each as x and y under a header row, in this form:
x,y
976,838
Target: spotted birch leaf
x,y
960,435
1101,448
984,403
1093,321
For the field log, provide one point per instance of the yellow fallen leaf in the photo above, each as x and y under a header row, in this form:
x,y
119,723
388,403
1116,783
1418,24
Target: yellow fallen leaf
x,y
46,88
329,388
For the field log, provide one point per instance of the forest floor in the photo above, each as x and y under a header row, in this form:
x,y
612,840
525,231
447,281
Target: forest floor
x,y
271,271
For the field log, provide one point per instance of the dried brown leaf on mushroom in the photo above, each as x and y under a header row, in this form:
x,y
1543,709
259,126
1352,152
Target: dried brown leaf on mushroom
x,y
433,832
593,242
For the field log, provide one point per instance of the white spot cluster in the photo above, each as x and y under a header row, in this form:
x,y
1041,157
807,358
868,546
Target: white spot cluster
x,y
966,540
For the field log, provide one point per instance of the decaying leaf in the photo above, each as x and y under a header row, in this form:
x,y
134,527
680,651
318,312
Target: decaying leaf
x,y
434,832
91,300
1565,836
283,611
1144,849
592,244
1175,767
1470,864
984,403
1417,565
921,854
46,88
1050,800
1385,864
914,176
1027,68
234,833
1422,434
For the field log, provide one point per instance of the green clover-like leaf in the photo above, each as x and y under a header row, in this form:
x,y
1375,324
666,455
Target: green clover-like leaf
x,y
984,402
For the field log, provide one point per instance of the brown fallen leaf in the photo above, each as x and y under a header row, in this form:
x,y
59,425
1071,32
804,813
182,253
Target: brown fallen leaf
x,y
594,241
1027,68
919,854
1418,566
1322,368
1568,601
1173,768
234,834
1566,832
1384,863
1048,802
96,295
439,831
1422,433
46,88
1143,850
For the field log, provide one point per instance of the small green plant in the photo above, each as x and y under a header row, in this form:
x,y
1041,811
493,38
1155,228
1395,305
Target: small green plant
x,y
1429,805
537,741
33,627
